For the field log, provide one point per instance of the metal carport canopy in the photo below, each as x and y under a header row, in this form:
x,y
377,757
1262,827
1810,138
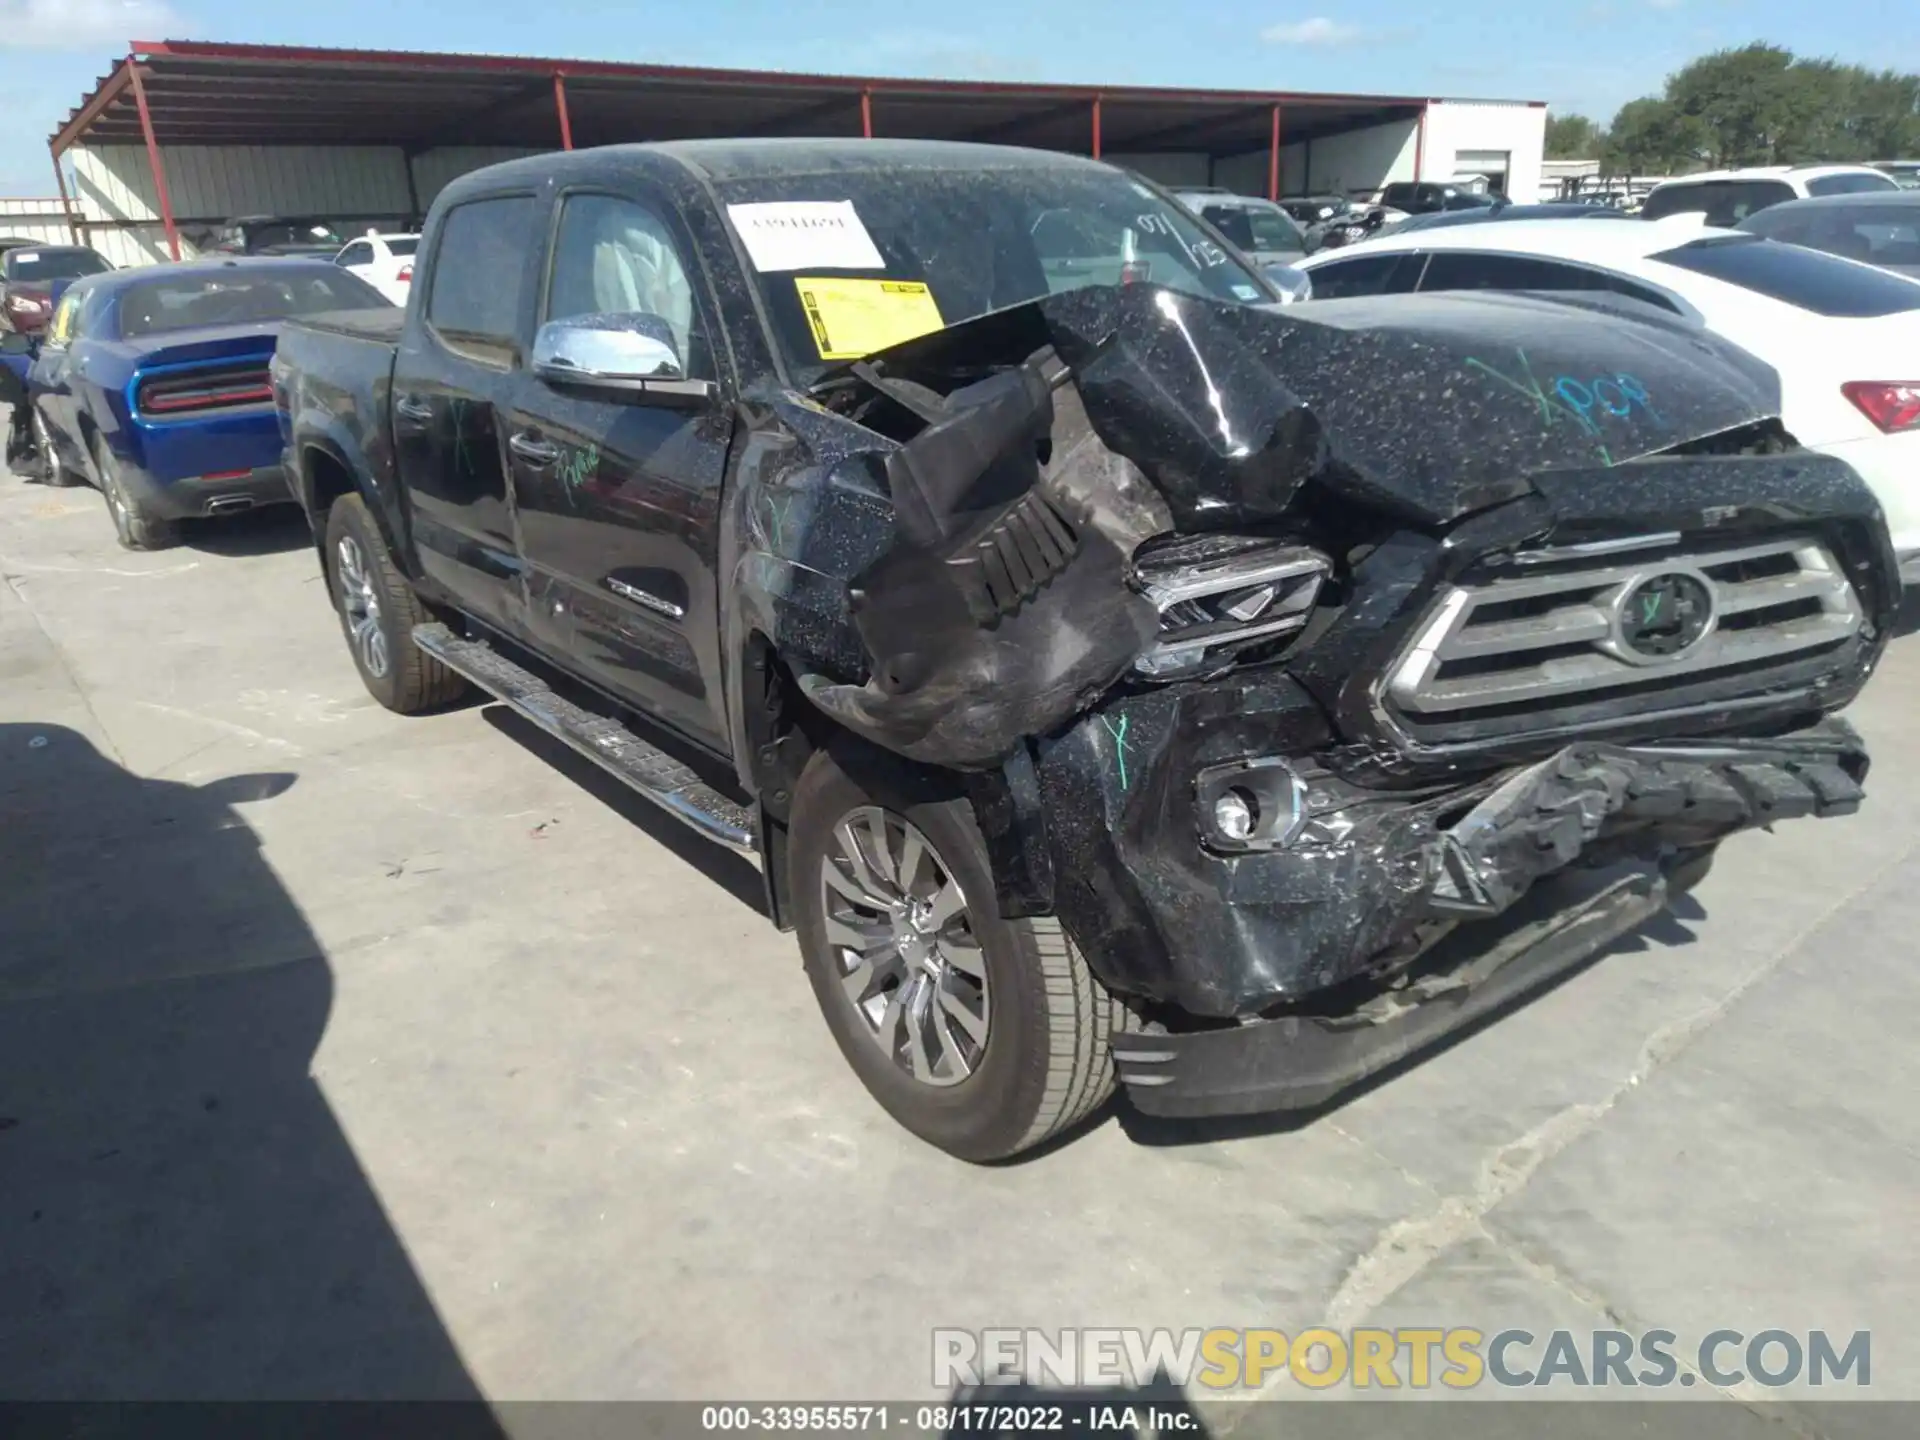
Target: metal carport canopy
x,y
179,92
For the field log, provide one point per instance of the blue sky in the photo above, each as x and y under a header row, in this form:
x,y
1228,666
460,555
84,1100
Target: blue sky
x,y
1588,55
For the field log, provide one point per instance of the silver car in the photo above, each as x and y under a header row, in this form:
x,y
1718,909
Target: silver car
x,y
1258,229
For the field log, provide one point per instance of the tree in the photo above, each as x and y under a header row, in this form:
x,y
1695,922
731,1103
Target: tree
x,y
1572,137
1652,137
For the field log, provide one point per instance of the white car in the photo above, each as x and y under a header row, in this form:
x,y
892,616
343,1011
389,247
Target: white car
x,y
383,261
1726,197
1843,337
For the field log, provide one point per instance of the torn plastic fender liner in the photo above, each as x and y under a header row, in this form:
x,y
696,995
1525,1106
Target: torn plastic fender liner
x,y
1374,875
1003,606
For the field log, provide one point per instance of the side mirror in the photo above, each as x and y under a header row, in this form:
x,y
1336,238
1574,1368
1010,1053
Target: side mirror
x,y
624,357
15,343
1293,283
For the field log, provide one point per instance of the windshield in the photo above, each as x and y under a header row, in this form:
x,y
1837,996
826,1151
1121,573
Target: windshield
x,y
29,266
850,262
192,303
405,246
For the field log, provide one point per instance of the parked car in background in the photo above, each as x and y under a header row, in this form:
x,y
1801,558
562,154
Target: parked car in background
x,y
1118,676
1481,214
29,276
1844,337
383,261
1328,221
1905,173
1726,197
151,383
1427,196
1879,229
276,235
1258,229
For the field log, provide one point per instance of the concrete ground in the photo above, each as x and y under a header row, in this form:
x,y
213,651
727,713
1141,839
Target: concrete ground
x,y
349,1055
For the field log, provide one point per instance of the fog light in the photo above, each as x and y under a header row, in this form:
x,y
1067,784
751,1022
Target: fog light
x,y
1258,804
1235,814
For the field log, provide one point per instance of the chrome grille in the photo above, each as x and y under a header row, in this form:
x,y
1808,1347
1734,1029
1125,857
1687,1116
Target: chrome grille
x,y
1570,627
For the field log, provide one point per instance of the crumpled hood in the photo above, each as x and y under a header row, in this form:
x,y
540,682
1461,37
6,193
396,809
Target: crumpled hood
x,y
1429,406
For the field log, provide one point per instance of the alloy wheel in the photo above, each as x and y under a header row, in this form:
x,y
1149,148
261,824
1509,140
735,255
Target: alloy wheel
x,y
360,605
910,963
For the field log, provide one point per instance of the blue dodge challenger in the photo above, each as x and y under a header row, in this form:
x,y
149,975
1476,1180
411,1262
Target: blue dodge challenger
x,y
152,385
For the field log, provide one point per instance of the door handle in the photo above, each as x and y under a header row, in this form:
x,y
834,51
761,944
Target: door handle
x,y
408,408
532,449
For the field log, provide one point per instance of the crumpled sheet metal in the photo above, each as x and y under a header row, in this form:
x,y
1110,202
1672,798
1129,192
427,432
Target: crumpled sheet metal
x,y
1186,413
1374,876
1427,406
1005,604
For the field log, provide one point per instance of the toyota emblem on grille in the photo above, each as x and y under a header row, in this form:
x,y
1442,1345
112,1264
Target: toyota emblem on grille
x,y
1664,615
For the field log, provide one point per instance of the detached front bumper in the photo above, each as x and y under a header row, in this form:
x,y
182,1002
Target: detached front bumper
x,y
1392,921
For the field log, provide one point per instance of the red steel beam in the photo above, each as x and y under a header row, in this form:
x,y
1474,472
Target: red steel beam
x,y
153,160
66,202
1096,127
866,114
1273,157
114,86
560,104
431,61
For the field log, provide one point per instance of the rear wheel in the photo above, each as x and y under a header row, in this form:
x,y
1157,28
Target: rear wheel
x,y
135,529
982,1035
378,613
53,470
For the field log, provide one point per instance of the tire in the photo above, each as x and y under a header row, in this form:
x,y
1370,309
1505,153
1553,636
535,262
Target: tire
x,y
53,470
134,529
378,612
1045,1060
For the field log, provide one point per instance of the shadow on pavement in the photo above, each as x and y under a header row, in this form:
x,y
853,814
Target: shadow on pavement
x,y
181,1216
271,530
738,877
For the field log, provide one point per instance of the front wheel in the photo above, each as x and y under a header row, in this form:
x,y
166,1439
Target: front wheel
x,y
378,613
982,1035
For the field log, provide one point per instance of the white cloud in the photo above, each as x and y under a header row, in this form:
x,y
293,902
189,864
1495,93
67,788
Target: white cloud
x,y
1317,31
83,24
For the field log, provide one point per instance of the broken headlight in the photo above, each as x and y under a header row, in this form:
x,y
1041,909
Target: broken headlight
x,y
1221,594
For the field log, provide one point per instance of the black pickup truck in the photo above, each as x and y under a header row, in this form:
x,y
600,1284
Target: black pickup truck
x,y
1117,673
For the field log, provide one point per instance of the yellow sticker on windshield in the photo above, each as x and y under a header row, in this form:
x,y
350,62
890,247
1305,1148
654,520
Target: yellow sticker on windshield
x,y
853,318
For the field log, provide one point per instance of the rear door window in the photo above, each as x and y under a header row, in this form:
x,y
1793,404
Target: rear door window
x,y
1365,275
1476,270
479,275
1809,279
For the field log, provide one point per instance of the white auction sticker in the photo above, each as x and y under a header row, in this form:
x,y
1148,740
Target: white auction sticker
x,y
805,235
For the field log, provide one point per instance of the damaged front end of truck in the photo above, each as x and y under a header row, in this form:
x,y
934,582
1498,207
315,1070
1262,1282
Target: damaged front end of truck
x,y
1334,673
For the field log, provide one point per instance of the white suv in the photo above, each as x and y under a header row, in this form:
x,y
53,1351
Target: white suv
x,y
1726,197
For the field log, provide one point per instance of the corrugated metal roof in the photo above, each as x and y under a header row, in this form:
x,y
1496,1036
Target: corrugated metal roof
x,y
201,93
